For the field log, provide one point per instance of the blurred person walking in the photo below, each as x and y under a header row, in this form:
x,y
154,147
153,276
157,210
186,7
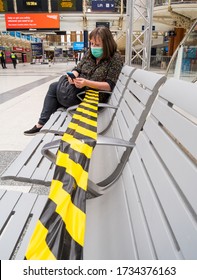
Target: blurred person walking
x,y
13,57
3,61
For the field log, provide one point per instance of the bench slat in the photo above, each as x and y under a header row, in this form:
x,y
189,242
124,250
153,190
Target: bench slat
x,y
176,162
53,119
134,104
149,80
29,168
170,197
154,216
14,228
181,94
42,170
144,245
35,214
2,192
176,123
97,245
13,170
7,204
139,92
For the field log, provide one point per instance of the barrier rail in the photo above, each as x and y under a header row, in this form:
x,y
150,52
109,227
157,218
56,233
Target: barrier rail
x,y
169,2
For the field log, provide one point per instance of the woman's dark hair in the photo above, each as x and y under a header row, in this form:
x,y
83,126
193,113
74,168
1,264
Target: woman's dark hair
x,y
109,44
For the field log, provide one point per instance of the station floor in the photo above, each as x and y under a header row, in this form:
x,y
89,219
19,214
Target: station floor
x,y
22,91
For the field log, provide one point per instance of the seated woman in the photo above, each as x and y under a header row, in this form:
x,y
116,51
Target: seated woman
x,y
99,69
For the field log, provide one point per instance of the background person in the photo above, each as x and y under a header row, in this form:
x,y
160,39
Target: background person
x,y
76,57
99,69
3,60
13,57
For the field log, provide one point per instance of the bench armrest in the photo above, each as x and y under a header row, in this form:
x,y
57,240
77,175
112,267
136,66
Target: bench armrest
x,y
46,150
105,105
83,92
72,108
101,140
105,140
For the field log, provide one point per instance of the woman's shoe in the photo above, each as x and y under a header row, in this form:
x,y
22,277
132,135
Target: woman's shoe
x,y
32,131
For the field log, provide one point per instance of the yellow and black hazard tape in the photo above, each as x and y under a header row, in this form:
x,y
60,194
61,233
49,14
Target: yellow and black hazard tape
x,y
60,231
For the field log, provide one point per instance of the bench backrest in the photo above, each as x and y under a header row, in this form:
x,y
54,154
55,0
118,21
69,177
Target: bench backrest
x,y
150,212
107,115
134,107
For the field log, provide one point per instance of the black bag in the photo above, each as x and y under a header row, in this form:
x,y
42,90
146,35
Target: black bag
x,y
67,93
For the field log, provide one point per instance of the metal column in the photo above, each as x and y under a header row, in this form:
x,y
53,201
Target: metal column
x,y
138,42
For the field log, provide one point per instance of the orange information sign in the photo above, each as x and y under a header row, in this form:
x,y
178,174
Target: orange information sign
x,y
44,21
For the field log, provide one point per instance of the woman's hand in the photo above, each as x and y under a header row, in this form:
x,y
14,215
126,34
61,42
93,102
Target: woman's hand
x,y
71,81
80,82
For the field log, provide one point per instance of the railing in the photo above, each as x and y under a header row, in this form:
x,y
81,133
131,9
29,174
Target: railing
x,y
183,64
171,2
160,61
155,61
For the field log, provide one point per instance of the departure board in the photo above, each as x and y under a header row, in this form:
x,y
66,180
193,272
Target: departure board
x,y
66,5
3,6
6,6
32,6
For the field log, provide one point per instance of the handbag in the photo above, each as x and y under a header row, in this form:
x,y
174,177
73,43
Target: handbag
x,y
67,93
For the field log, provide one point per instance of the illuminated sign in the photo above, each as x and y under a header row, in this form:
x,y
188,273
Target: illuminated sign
x,y
42,21
31,3
78,46
3,6
102,23
6,6
66,5
58,52
32,6
37,49
103,5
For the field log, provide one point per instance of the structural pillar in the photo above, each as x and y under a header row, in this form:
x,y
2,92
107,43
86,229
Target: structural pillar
x,y
179,34
85,37
171,46
138,44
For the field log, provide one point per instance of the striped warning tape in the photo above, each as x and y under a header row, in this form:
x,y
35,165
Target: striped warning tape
x,y
60,230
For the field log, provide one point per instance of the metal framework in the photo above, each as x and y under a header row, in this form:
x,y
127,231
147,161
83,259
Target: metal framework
x,y
138,44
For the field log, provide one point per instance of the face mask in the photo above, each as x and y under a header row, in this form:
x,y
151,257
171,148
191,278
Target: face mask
x,y
97,51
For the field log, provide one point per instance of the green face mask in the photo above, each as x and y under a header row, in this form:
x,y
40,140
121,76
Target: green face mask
x,y
97,51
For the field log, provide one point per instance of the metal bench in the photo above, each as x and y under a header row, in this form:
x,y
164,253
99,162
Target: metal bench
x,y
31,165
136,90
150,211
